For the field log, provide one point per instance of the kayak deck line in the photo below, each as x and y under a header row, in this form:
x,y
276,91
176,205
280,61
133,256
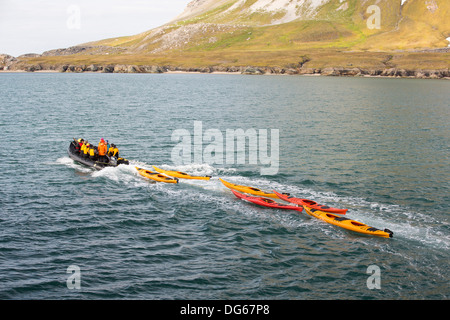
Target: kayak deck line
x,y
180,174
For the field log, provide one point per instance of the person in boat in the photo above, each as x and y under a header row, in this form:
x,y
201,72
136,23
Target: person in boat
x,y
113,151
107,145
83,146
86,150
110,150
102,151
93,153
80,144
77,144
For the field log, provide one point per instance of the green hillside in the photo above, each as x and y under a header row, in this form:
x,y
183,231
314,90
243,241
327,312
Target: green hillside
x,y
417,24
277,33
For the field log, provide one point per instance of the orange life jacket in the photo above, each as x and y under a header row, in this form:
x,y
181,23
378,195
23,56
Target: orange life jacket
x,y
102,149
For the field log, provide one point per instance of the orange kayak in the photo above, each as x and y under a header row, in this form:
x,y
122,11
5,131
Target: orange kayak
x,y
156,176
179,174
348,224
246,189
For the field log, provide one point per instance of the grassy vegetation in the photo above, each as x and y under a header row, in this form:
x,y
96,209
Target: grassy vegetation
x,y
337,37
318,59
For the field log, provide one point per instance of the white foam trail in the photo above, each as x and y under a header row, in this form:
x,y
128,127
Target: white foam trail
x,y
116,174
193,169
126,174
406,223
66,161
198,169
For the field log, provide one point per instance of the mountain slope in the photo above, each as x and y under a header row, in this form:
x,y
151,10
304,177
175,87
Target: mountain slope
x,y
282,33
351,24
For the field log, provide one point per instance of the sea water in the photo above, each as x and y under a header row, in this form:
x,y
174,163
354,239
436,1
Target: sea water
x,y
379,147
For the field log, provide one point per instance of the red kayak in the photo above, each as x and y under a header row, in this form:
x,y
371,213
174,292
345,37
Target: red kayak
x,y
310,203
266,202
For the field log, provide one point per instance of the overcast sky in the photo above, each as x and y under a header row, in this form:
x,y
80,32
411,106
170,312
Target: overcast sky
x,y
35,26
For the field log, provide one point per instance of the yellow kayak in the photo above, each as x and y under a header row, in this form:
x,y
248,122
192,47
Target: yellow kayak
x,y
348,224
250,190
179,174
156,176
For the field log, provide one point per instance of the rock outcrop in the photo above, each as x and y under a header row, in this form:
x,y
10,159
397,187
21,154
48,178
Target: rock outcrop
x,y
10,63
83,50
6,61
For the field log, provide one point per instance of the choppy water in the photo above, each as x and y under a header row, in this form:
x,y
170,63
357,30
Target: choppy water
x,y
379,147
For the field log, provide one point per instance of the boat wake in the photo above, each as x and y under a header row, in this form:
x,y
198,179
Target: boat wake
x,y
406,223
66,161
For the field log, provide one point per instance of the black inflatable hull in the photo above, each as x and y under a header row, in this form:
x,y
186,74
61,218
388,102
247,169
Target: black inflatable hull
x,y
75,155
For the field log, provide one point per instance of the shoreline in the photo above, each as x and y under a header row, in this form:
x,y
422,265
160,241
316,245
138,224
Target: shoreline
x,y
320,63
389,74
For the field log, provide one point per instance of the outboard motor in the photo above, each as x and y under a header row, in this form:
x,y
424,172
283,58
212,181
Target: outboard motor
x,y
112,161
